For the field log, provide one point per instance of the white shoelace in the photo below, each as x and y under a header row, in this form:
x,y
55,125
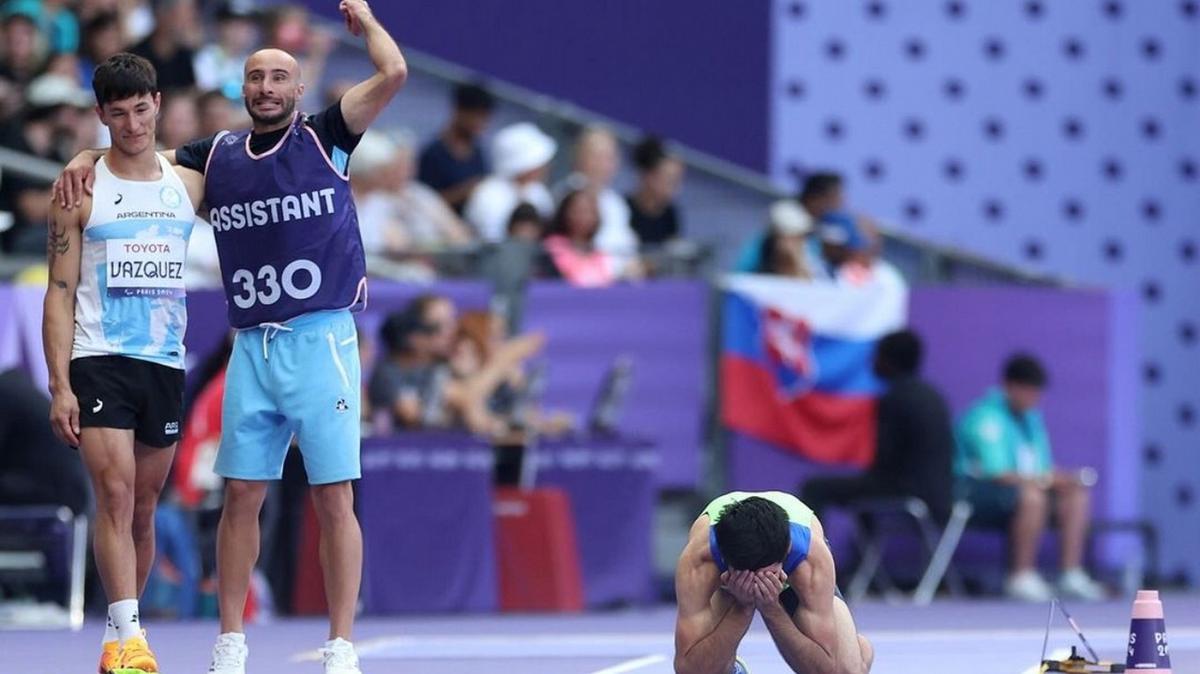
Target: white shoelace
x,y
228,655
342,657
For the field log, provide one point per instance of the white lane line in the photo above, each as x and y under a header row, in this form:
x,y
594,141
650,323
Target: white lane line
x,y
631,665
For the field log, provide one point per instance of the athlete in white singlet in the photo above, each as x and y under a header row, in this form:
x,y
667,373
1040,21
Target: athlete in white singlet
x,y
113,327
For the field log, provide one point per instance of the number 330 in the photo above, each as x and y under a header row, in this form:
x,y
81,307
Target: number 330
x,y
270,281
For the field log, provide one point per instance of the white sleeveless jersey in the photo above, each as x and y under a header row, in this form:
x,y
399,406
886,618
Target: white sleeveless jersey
x,y
131,298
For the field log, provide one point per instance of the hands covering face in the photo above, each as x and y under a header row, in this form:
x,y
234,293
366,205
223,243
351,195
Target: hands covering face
x,y
755,588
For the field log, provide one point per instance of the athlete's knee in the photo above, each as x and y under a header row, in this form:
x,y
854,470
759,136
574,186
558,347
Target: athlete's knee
x,y
114,498
244,497
143,520
333,502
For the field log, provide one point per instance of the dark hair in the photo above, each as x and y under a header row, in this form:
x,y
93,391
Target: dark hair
x,y
899,354
101,21
399,327
208,97
753,533
649,153
525,212
123,76
559,225
819,184
473,97
1024,368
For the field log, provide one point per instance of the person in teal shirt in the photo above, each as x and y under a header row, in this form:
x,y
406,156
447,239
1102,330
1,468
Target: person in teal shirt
x,y
1006,471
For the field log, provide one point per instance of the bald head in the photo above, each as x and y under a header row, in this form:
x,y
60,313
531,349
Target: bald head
x,y
270,88
272,59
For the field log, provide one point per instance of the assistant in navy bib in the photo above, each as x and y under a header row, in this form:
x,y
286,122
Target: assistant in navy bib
x,y
286,228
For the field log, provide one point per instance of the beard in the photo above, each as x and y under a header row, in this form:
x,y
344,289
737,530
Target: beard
x,y
285,111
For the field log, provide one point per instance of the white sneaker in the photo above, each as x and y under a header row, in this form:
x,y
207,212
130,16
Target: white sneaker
x,y
1078,584
1028,586
229,655
339,657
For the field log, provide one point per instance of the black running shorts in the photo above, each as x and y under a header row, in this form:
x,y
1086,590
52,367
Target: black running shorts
x,y
124,392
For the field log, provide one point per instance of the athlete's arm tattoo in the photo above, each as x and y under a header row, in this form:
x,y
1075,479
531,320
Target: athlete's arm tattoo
x,y
57,242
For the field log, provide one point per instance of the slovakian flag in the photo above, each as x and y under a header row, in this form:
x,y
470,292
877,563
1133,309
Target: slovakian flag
x,y
796,361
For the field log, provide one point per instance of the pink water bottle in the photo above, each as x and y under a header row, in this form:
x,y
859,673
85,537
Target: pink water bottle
x,y
1148,652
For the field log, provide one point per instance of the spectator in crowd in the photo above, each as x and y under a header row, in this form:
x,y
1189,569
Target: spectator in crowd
x,y
218,65
487,365
217,113
571,244
289,29
1007,474
787,249
521,154
57,23
169,47
178,122
21,54
821,194
51,128
526,224
408,383
597,160
453,163
844,245
398,213
102,38
654,215
914,438
36,468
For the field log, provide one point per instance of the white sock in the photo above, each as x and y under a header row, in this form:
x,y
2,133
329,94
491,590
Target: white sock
x,y
110,632
124,615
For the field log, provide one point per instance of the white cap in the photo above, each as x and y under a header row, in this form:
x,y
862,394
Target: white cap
x,y
375,150
51,90
521,147
790,218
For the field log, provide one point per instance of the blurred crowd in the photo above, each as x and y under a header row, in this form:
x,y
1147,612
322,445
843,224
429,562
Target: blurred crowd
x,y
470,188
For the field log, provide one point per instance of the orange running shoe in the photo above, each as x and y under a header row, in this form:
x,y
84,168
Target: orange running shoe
x,y
110,658
136,654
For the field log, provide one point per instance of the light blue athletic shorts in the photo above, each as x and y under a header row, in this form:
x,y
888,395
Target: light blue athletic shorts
x,y
301,379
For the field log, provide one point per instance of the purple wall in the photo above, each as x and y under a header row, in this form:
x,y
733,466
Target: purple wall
x,y
693,70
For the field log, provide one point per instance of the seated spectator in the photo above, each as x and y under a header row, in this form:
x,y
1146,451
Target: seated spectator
x,y
453,163
102,38
1006,472
821,194
845,247
596,163
178,121
36,468
788,249
526,224
169,48
429,378
288,28
521,154
50,129
408,382
217,113
218,65
570,243
914,438
398,213
489,363
654,215
21,53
